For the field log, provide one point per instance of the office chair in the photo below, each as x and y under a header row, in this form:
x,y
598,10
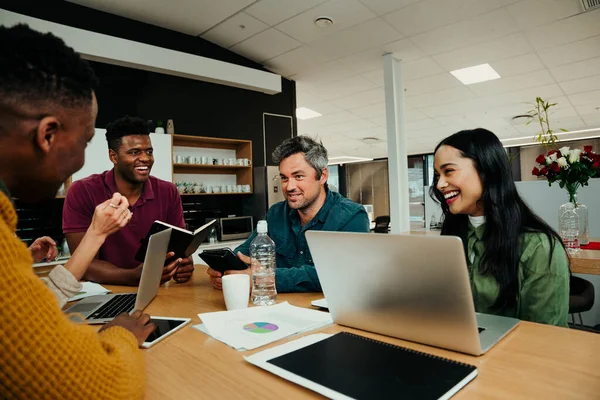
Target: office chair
x,y
382,224
581,298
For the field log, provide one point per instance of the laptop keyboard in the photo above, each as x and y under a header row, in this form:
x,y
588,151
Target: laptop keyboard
x,y
115,306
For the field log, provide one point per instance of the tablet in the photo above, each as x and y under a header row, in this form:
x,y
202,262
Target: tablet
x,y
164,327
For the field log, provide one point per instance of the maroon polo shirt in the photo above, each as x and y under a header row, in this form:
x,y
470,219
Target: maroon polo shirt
x,y
160,200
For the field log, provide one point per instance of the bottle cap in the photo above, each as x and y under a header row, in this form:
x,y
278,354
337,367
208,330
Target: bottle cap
x,y
262,226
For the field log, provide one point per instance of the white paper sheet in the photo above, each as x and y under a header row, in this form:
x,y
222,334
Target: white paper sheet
x,y
89,289
260,360
320,303
257,326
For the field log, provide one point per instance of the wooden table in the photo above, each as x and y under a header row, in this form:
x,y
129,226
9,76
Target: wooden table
x,y
586,262
533,362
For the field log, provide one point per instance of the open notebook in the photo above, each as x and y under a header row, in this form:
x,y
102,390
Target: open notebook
x,y
348,366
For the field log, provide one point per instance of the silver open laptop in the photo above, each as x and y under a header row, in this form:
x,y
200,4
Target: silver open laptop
x,y
413,287
102,309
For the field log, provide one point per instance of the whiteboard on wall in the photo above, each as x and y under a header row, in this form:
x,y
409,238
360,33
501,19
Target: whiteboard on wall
x,y
97,161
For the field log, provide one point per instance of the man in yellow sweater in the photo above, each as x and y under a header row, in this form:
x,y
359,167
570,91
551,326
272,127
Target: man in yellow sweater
x,y
47,115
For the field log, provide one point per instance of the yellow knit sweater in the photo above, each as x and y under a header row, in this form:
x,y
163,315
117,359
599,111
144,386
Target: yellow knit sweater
x,y
42,354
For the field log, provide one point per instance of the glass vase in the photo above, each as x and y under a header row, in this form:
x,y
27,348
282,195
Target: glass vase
x,y
582,212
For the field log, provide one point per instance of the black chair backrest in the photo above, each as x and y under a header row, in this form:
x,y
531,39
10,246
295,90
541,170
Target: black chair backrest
x,y
382,224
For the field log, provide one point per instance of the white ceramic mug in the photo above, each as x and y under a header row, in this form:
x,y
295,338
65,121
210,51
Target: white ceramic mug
x,y
236,291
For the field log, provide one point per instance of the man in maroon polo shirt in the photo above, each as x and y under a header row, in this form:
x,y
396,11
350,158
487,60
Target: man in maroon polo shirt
x,y
130,150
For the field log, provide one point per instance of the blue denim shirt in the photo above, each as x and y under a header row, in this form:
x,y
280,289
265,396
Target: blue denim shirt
x,y
295,268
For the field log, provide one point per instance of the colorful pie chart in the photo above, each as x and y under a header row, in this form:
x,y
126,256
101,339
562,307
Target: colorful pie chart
x,y
261,327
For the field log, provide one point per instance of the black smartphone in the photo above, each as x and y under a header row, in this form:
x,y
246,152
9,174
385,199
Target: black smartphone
x,y
222,260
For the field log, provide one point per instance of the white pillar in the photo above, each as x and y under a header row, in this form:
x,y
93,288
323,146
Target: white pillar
x,y
397,151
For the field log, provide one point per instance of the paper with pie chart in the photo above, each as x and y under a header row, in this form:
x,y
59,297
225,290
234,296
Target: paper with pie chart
x,y
253,327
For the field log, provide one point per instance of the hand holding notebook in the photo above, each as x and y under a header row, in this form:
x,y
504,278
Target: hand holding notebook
x,y
183,242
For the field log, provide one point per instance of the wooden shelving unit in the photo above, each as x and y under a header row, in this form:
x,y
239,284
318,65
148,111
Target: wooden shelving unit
x,y
243,149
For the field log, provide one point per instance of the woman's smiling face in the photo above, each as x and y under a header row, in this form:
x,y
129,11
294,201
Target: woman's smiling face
x,y
458,181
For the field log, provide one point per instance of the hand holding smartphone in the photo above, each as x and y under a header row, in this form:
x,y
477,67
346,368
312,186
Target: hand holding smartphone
x,y
222,260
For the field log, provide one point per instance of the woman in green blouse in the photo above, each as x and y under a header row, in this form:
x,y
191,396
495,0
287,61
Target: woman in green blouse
x,y
518,266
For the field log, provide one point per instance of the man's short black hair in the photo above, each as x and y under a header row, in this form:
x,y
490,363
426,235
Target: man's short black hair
x,y
39,68
124,127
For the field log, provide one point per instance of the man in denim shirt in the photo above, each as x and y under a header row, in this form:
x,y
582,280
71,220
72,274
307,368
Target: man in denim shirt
x,y
308,205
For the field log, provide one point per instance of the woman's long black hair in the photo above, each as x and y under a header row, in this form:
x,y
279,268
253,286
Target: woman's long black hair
x,y
506,214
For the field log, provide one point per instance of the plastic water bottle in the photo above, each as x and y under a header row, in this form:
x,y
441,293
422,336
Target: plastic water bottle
x,y
262,254
569,230
65,248
212,236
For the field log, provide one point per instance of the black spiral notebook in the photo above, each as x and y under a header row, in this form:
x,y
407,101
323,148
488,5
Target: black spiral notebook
x,y
363,368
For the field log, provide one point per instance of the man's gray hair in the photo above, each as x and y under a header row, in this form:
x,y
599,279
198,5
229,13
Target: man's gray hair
x,y
314,152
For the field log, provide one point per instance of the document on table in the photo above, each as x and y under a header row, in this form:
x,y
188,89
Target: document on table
x,y
89,289
254,327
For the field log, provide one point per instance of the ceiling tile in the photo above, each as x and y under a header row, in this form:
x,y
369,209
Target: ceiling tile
x,y
426,15
571,52
488,26
459,93
568,30
379,120
420,68
349,126
273,12
377,131
370,34
430,84
404,50
372,110
576,70
323,74
581,85
517,65
230,32
527,95
332,119
188,16
345,13
592,97
529,79
381,7
372,59
569,123
365,61
588,109
324,108
266,45
303,97
492,50
360,99
375,76
344,87
591,120
414,115
429,123
299,59
529,13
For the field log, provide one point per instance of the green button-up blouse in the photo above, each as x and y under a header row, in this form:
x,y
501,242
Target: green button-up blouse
x,y
543,294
